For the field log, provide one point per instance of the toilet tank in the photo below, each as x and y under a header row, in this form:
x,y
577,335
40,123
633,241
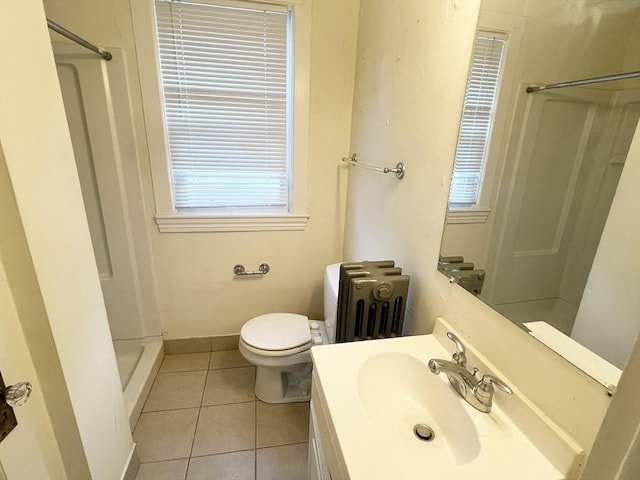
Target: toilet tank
x,y
331,281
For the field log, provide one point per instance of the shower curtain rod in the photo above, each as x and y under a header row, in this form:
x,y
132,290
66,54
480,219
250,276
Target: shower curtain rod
x,y
81,41
586,81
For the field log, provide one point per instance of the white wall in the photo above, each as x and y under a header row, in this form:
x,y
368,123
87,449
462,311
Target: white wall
x,y
199,295
612,288
412,64
411,72
41,168
197,291
616,452
22,286
31,449
407,104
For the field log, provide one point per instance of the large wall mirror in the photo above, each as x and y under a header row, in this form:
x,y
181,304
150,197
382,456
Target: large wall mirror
x,y
530,214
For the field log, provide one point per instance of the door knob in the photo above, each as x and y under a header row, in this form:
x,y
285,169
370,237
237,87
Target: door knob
x,y
11,396
18,394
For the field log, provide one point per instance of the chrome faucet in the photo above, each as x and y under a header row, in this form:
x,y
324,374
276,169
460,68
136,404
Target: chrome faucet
x,y
478,394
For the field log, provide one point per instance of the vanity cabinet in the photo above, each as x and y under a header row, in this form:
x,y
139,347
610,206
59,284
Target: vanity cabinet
x,y
369,398
325,458
318,467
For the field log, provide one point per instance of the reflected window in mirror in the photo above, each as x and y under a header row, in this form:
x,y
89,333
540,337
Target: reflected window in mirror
x,y
476,122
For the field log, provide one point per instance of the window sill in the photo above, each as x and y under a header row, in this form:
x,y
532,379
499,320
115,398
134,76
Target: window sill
x,y
230,223
468,215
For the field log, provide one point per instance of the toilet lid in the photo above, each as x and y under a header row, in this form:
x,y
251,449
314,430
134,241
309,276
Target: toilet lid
x,y
276,331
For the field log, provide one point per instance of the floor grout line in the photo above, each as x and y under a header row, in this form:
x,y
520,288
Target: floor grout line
x,y
255,440
201,405
195,430
222,453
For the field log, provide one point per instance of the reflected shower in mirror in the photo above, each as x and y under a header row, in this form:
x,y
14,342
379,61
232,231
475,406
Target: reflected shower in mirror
x,y
535,173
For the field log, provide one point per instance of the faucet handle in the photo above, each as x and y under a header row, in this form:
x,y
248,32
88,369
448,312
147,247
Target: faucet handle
x,y
487,382
460,357
484,391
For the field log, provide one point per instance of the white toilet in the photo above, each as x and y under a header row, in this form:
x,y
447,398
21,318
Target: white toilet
x,y
279,344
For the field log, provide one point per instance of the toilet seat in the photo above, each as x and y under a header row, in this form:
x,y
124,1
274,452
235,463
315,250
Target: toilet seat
x,y
276,334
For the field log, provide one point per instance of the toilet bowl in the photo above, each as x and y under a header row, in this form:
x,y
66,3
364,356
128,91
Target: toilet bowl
x,y
279,345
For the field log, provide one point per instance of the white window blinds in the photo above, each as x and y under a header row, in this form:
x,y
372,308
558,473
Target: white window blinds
x,y
477,116
225,79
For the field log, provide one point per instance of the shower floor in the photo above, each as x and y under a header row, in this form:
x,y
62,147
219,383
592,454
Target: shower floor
x,y
138,363
557,312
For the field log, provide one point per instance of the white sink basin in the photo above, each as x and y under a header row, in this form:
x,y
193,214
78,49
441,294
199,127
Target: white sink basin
x,y
371,395
398,392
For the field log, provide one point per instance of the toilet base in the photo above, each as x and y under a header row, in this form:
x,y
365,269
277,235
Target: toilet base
x,y
283,379
284,385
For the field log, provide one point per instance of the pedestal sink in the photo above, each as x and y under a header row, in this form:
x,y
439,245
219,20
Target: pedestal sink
x,y
398,393
367,397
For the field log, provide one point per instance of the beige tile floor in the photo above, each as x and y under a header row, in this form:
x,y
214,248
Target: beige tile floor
x,y
202,420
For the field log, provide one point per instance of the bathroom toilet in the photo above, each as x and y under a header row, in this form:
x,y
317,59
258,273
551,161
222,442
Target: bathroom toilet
x,y
279,345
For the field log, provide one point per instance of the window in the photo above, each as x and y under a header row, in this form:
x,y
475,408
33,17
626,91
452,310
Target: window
x,y
225,96
225,82
477,118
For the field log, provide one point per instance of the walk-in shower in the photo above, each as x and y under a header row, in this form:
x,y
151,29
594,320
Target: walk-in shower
x,y
97,103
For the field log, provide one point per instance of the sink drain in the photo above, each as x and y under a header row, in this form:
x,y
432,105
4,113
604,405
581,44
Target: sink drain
x,y
424,432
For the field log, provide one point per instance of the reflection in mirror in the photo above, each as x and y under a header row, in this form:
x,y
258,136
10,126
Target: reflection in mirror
x,y
536,173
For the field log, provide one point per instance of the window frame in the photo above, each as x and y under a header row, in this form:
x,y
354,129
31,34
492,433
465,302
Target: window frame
x,y
168,218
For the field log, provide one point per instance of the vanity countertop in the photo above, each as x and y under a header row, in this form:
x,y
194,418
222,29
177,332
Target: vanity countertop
x,y
370,402
583,358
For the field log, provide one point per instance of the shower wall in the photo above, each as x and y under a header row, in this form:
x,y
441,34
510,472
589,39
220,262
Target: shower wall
x,y
96,99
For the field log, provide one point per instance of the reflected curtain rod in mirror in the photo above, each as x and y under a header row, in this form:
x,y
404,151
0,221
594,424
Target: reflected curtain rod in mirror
x,y
586,81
